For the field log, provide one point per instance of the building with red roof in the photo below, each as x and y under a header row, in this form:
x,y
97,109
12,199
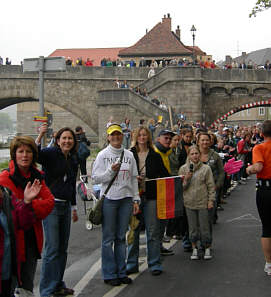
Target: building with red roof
x,y
94,54
157,44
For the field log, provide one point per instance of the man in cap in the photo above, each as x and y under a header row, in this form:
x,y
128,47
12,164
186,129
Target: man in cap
x,y
162,147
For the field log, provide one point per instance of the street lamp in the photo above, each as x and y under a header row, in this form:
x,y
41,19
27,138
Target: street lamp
x,y
193,31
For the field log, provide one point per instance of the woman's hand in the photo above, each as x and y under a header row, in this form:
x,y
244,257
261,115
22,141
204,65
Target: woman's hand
x,y
135,208
210,204
74,216
140,178
115,166
188,176
43,130
31,191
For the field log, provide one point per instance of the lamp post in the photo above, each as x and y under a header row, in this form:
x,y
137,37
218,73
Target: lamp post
x,y
193,31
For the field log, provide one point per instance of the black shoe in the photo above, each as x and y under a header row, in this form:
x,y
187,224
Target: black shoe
x,y
131,271
220,207
156,272
166,252
126,280
113,282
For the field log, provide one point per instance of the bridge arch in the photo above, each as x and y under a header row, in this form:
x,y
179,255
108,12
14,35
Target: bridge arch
x,y
60,92
261,103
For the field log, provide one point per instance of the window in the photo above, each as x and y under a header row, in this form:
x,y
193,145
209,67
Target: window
x,y
261,111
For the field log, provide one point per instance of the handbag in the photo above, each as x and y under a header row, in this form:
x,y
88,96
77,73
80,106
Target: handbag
x,y
95,215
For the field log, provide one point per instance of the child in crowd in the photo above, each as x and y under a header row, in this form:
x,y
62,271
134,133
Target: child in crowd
x,y
199,196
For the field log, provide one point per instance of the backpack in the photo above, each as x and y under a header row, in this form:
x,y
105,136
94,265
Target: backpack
x,y
83,151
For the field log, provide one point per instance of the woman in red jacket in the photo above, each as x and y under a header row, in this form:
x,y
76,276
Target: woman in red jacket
x,y
22,169
14,215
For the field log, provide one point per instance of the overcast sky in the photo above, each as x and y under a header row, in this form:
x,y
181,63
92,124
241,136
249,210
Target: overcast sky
x,y
32,28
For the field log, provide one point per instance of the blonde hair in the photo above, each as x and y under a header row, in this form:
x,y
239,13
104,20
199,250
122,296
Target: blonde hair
x,y
193,147
135,136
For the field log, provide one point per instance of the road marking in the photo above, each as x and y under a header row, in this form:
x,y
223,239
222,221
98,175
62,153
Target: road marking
x,y
79,287
247,216
116,290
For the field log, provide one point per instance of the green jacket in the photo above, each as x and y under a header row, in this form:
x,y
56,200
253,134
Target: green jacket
x,y
216,164
200,189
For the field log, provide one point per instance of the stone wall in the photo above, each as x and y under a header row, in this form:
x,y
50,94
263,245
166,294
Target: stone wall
x,y
202,94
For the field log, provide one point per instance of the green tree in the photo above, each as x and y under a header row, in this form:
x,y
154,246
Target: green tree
x,y
260,5
5,122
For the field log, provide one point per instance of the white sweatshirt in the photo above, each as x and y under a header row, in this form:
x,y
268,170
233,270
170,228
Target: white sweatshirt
x,y
125,185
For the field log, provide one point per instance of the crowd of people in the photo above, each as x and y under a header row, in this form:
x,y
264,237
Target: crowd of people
x,y
153,64
247,65
142,92
124,169
7,61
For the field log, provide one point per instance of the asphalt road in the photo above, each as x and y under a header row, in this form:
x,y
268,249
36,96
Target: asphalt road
x,y
236,269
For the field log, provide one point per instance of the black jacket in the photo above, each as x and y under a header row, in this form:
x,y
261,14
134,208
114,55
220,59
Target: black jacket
x,y
154,169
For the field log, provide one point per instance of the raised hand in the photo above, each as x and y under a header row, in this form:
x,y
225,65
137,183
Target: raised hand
x,y
31,191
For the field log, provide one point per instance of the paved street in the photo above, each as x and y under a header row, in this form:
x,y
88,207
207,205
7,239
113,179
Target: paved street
x,y
236,269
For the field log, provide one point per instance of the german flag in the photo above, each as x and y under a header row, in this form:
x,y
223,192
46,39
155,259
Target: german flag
x,y
169,197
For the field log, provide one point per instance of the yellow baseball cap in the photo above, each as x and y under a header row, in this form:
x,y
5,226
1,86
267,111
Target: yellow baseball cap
x,y
112,128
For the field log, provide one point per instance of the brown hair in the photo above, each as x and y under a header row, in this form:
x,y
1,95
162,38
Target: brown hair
x,y
203,134
18,141
186,131
135,136
59,133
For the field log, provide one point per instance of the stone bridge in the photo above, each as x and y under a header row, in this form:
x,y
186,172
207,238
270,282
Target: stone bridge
x,y
86,92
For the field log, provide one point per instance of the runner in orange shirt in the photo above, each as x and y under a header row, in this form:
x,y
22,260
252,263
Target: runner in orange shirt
x,y
262,167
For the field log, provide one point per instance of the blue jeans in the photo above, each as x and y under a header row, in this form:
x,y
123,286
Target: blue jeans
x,y
152,225
57,232
116,216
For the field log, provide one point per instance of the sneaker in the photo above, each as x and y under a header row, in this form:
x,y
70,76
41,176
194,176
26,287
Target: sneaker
x,y
220,208
20,292
166,252
267,269
207,254
166,238
194,255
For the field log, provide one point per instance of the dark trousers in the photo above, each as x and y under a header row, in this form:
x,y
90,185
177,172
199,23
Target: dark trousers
x,y
6,288
83,167
28,268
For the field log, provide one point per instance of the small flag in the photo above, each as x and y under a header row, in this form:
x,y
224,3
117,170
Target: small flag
x,y
40,119
169,197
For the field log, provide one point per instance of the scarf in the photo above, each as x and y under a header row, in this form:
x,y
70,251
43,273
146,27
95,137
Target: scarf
x,y
20,181
161,148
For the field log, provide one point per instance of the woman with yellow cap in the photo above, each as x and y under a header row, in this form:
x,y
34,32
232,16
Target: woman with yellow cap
x,y
120,201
